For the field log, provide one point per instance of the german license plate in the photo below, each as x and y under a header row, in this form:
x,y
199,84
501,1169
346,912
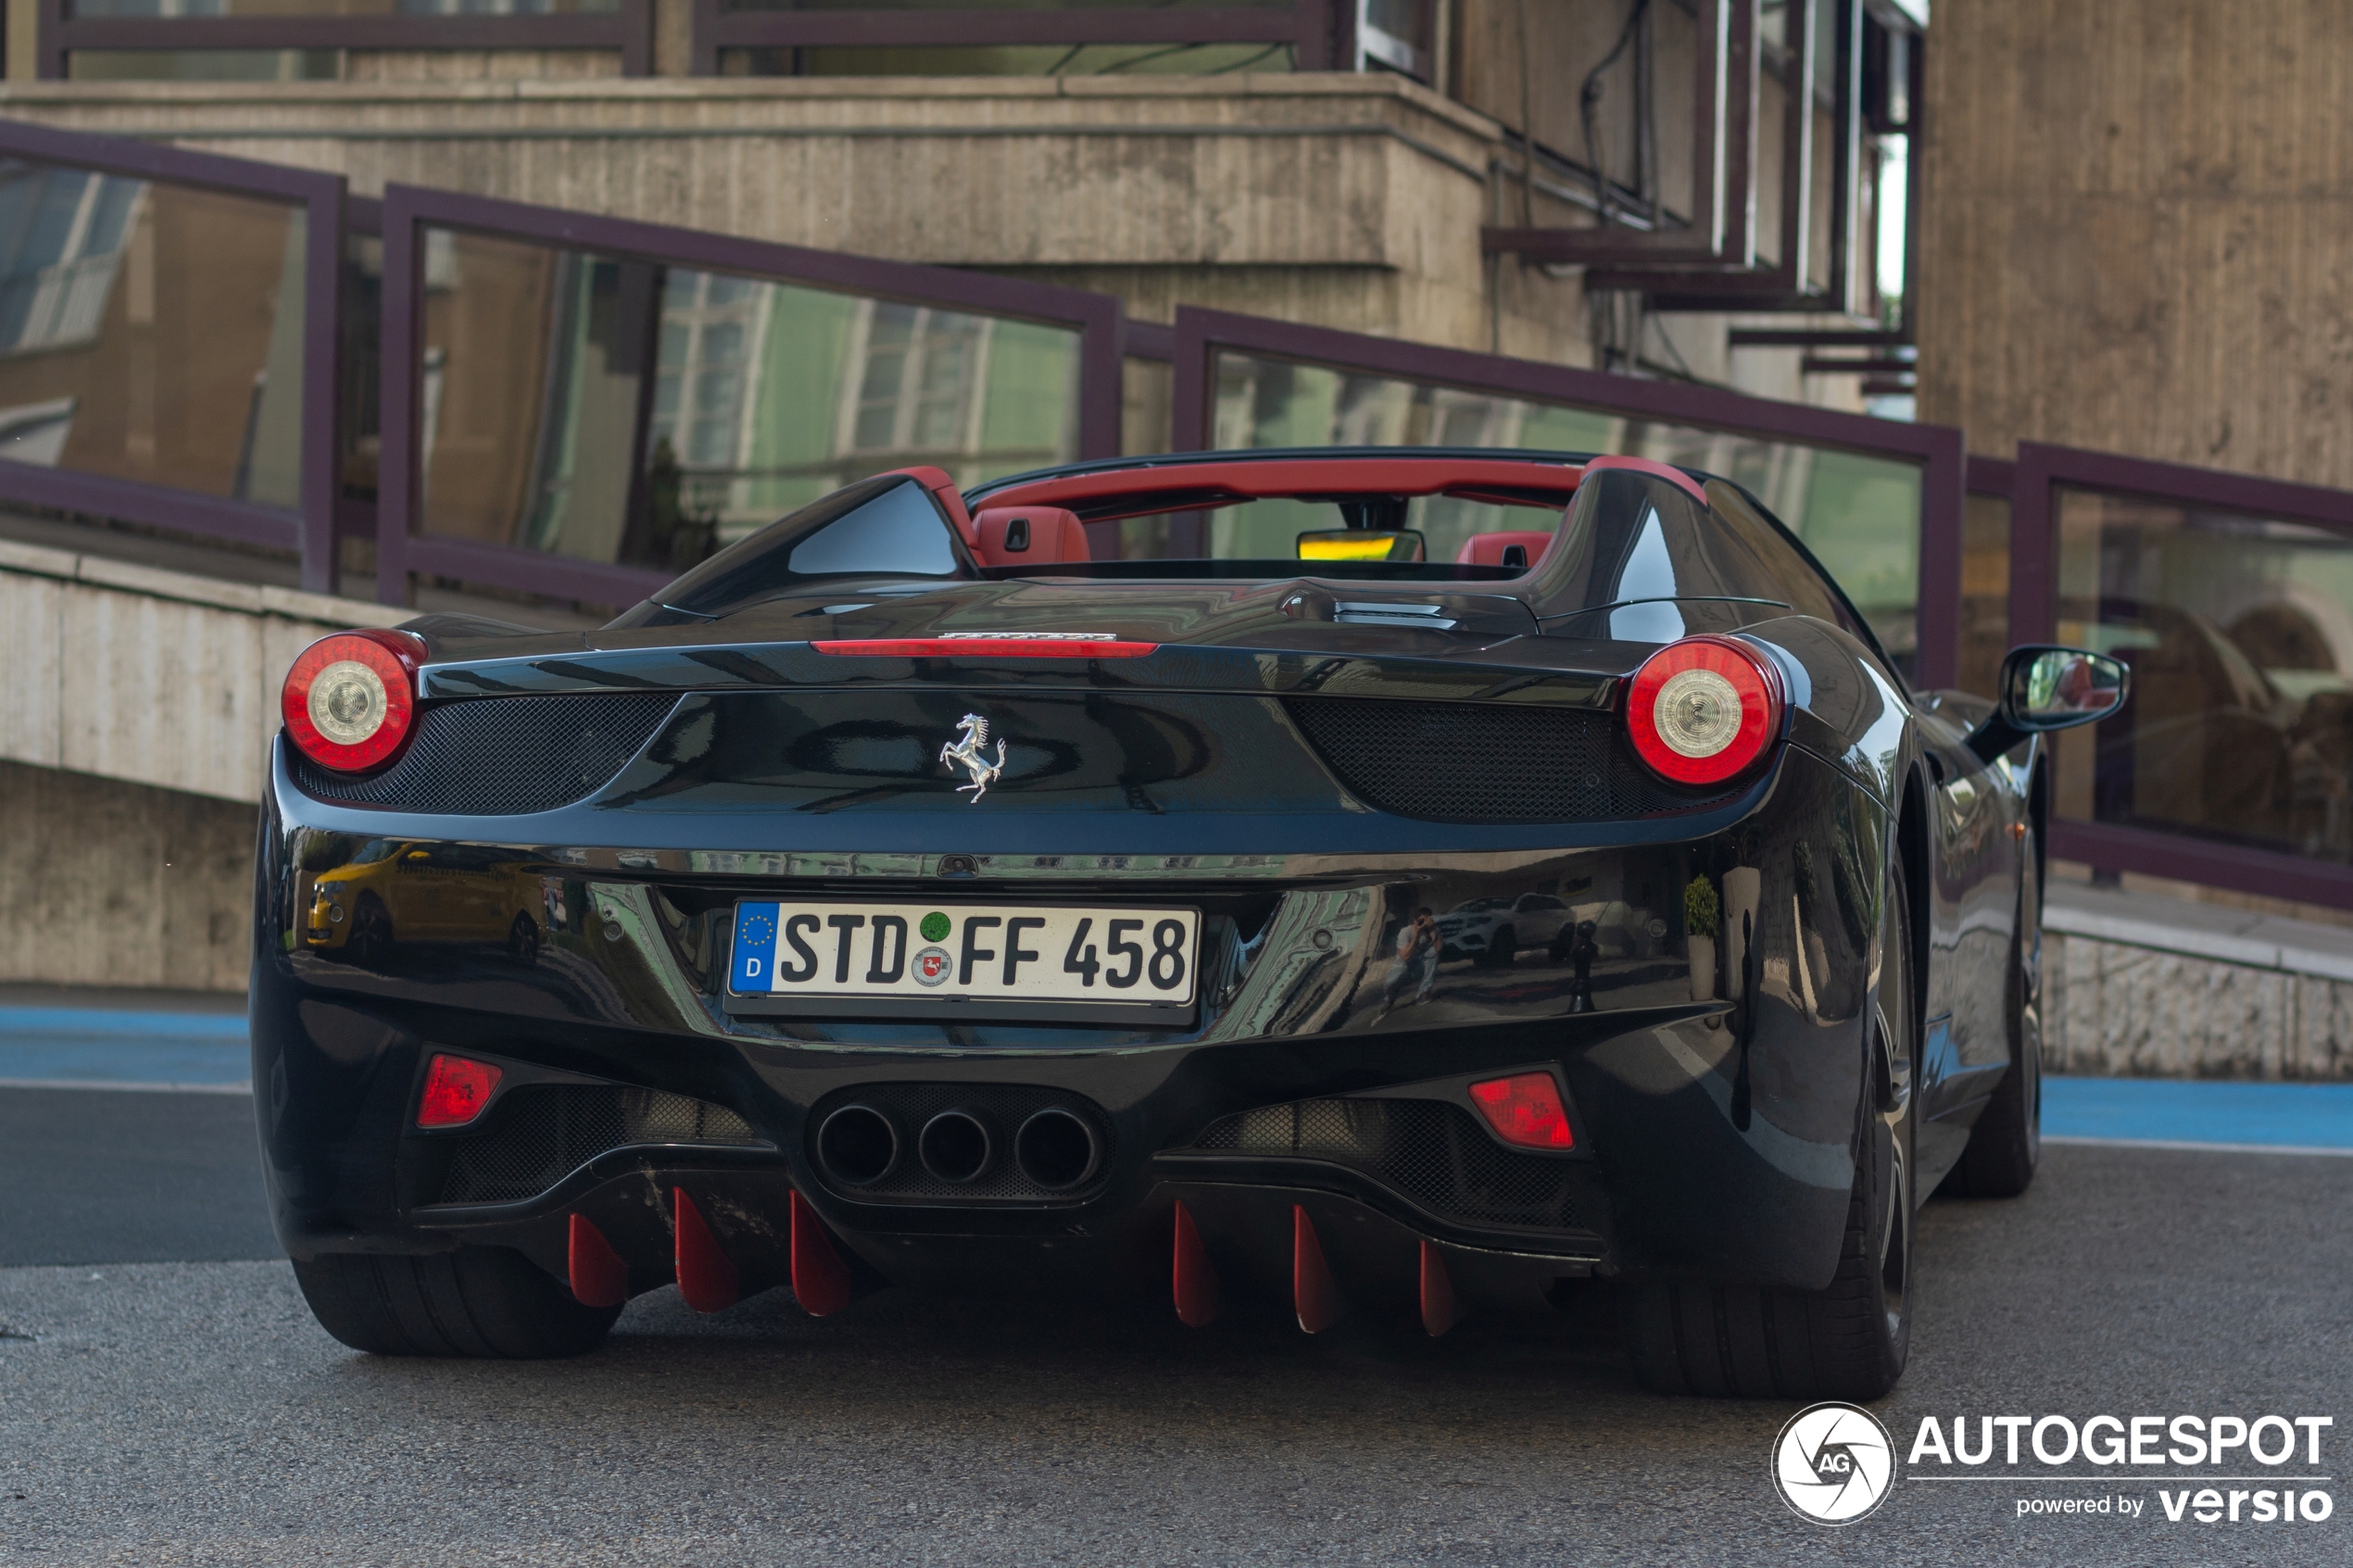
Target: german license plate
x,y
989,960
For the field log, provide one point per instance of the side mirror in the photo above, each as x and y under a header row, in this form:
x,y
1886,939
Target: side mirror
x,y
2050,688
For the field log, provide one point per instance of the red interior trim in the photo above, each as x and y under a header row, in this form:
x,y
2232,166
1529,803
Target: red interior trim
x,y
1133,492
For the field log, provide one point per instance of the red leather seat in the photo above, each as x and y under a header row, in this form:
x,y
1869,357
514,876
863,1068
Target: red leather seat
x,y
1490,550
1030,537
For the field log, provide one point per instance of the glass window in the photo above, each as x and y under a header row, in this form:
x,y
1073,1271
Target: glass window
x,y
627,411
118,9
1985,593
1859,515
1035,59
150,332
1076,58
2239,632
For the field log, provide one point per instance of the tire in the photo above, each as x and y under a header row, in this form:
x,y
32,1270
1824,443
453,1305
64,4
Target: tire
x,y
482,1302
370,940
1501,949
523,940
1846,1342
2007,1144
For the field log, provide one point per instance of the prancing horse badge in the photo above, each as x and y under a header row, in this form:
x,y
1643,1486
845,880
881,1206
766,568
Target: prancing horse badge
x,y
972,734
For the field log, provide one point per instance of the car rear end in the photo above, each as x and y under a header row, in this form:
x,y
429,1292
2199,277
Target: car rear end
x,y
807,1008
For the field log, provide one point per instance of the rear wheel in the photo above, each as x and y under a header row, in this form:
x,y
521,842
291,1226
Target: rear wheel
x,y
1848,1341
484,1301
2007,1143
370,940
523,940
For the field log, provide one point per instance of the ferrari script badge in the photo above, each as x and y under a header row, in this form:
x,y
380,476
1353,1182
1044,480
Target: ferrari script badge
x,y
972,734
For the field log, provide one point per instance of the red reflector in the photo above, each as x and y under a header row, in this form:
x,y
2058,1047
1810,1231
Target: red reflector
x,y
988,645
1525,1109
455,1091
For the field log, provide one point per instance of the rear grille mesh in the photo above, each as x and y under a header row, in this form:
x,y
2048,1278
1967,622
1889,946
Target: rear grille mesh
x,y
541,1133
1486,762
1430,1151
502,757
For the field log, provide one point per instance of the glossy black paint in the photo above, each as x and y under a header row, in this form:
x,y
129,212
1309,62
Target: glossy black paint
x,y
1718,1122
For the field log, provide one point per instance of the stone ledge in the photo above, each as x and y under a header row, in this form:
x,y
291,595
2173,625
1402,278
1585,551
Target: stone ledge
x,y
2211,933
249,598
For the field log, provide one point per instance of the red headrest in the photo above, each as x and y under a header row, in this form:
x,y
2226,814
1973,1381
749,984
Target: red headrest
x,y
1487,549
1030,537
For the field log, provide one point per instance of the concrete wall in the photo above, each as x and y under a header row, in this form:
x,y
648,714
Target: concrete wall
x,y
133,747
1341,200
2135,222
2126,1011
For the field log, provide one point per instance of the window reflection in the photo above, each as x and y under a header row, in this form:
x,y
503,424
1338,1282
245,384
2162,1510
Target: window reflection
x,y
2239,632
151,332
626,411
1859,515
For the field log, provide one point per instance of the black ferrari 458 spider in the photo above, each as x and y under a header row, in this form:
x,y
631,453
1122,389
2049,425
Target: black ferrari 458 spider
x,y
1406,882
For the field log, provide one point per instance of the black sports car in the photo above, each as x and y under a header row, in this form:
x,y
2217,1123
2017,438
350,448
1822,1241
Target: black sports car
x,y
1040,888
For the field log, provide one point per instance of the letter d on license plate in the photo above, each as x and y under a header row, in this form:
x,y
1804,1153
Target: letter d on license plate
x,y
1051,963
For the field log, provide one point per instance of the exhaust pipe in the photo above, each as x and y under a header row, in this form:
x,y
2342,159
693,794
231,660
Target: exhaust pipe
x,y
1057,1149
858,1145
955,1146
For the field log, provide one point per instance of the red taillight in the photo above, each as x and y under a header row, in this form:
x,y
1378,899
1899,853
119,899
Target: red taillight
x,y
1703,709
990,644
457,1090
1526,1111
350,700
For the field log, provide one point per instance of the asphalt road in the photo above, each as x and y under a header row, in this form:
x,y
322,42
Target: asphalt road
x,y
116,1176
190,1412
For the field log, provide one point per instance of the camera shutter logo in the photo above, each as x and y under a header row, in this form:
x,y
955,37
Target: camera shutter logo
x,y
1833,1462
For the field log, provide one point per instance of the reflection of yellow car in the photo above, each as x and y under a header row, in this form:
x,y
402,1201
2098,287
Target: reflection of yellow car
x,y
393,890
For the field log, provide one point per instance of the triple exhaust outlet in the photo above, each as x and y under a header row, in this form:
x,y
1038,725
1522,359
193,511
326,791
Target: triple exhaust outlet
x,y
1054,1149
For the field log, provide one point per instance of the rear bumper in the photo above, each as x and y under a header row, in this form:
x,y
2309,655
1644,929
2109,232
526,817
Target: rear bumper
x,y
1711,1141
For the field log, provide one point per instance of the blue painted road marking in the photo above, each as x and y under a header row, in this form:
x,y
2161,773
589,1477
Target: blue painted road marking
x,y
102,1046
2175,1111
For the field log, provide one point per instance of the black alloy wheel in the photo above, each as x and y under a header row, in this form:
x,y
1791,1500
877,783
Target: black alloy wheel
x,y
1850,1340
2007,1144
523,940
370,940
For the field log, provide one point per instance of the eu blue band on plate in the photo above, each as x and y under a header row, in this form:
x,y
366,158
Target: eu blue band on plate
x,y
755,963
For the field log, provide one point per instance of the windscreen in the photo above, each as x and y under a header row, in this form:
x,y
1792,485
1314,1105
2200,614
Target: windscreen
x,y
1389,537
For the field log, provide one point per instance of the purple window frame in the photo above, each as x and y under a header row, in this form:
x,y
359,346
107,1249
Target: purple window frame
x,y
628,30
309,531
1322,30
403,549
1937,449
2034,618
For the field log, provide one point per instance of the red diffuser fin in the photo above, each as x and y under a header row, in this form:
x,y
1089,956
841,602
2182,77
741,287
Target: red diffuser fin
x,y
820,1279
1311,1278
706,1277
1440,1310
1193,1279
599,1276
